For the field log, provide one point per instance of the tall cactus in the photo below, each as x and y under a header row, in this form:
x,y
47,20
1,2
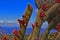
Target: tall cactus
x,y
37,28
23,23
41,10
41,17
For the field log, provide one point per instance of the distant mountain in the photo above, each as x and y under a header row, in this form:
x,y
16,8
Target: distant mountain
x,y
9,30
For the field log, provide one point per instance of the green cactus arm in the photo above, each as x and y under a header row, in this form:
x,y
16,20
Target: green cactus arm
x,y
27,17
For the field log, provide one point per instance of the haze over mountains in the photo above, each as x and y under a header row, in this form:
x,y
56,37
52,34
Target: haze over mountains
x,y
15,24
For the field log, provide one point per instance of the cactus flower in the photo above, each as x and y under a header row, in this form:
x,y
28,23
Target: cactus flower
x,y
5,38
57,1
33,25
29,6
36,23
15,38
44,7
42,15
22,22
15,32
58,27
23,16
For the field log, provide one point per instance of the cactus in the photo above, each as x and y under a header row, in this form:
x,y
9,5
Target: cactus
x,y
41,17
23,23
48,10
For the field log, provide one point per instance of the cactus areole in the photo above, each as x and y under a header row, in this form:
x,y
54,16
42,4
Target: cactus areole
x,y
57,1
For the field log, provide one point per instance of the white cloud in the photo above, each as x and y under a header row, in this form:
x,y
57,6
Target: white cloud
x,y
11,21
8,23
1,21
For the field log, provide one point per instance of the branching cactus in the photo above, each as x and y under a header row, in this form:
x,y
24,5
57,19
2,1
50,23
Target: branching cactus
x,y
42,16
36,30
23,23
48,10
41,11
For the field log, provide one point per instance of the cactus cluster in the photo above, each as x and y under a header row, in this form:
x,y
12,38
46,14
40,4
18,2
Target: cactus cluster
x,y
48,10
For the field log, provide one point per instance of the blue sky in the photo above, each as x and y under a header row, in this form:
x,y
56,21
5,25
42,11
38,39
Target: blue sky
x,y
11,10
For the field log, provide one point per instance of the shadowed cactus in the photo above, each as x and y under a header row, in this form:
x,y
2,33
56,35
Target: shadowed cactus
x,y
49,11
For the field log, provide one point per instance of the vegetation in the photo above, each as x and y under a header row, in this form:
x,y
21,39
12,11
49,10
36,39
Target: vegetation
x,y
48,11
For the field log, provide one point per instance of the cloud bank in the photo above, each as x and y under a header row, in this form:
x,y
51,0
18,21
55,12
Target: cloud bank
x,y
8,23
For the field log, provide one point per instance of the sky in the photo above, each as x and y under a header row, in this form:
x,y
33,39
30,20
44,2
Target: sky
x,y
11,10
